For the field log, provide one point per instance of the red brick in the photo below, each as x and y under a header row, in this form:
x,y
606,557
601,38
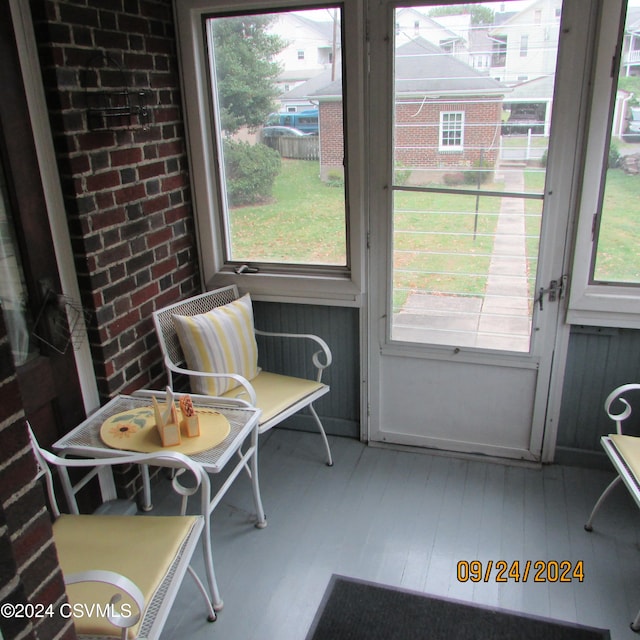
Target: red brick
x,y
129,194
17,475
163,268
10,401
122,157
151,205
110,218
148,292
123,323
35,536
161,236
151,170
174,182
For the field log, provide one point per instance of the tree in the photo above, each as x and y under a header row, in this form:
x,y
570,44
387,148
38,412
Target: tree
x,y
243,52
480,15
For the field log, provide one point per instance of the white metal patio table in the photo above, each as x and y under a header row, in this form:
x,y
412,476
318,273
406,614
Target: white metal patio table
x,y
240,445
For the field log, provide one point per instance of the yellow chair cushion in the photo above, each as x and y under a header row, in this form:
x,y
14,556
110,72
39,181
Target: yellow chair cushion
x,y
139,547
276,392
629,448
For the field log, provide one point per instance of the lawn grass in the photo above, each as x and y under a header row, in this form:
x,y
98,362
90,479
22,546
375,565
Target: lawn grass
x,y
618,257
304,222
434,245
440,246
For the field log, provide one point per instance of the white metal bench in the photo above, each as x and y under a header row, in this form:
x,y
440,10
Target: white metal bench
x,y
624,453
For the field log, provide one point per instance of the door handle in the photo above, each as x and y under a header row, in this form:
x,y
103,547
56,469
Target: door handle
x,y
555,290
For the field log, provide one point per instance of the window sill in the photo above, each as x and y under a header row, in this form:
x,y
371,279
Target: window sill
x,y
605,306
300,289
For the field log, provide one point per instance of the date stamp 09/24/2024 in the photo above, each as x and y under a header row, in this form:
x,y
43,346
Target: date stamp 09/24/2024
x,y
520,571
467,571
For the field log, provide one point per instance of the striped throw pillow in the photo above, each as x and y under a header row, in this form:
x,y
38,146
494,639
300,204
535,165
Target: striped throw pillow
x,y
221,340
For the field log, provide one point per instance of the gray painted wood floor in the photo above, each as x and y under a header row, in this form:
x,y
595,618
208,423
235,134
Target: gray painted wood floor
x,y
407,519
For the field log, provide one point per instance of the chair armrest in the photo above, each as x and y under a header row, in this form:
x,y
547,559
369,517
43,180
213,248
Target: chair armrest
x,y
241,380
126,618
171,459
324,347
616,394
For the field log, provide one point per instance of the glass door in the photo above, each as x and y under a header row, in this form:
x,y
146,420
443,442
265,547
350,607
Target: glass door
x,y
470,222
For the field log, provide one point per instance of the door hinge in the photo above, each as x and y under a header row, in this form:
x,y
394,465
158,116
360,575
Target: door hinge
x,y
555,290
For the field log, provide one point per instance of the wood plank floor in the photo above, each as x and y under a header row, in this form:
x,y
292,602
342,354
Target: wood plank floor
x,y
407,519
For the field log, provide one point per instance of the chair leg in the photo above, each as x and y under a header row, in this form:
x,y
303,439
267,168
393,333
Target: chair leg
x,y
588,526
323,434
635,625
208,565
255,485
203,590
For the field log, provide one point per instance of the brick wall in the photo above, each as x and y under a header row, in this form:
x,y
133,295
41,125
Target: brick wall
x,y
29,571
126,186
418,131
331,139
417,135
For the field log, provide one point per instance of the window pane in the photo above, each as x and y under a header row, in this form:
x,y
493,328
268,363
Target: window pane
x,y
277,87
466,130
13,290
616,257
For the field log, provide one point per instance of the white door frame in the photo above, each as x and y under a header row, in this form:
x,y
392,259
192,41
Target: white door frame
x,y
28,53
564,171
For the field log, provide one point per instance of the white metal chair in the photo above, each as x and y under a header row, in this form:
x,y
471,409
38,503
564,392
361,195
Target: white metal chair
x,y
624,452
278,396
126,569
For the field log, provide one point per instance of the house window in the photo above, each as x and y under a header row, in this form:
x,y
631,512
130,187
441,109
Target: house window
x,y
524,46
499,51
263,212
606,272
285,228
451,131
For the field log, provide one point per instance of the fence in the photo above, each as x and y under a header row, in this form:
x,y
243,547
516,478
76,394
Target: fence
x,y
298,147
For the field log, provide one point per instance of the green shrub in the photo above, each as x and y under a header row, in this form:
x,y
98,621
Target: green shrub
x,y
453,179
614,156
401,174
480,173
335,178
251,171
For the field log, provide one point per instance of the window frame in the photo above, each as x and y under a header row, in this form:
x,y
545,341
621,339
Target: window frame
x,y
600,304
458,128
294,283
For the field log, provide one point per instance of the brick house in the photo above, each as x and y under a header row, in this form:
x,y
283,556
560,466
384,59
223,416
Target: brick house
x,y
447,114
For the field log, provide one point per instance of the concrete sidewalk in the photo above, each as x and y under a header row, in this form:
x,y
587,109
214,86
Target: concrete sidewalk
x,y
500,319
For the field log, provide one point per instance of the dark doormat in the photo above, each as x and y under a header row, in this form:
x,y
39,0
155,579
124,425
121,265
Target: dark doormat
x,y
357,610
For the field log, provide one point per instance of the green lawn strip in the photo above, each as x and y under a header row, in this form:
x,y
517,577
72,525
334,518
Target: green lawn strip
x,y
435,248
618,257
304,222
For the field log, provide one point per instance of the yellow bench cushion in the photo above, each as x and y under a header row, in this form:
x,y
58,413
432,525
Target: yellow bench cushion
x,y
629,448
139,547
276,392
